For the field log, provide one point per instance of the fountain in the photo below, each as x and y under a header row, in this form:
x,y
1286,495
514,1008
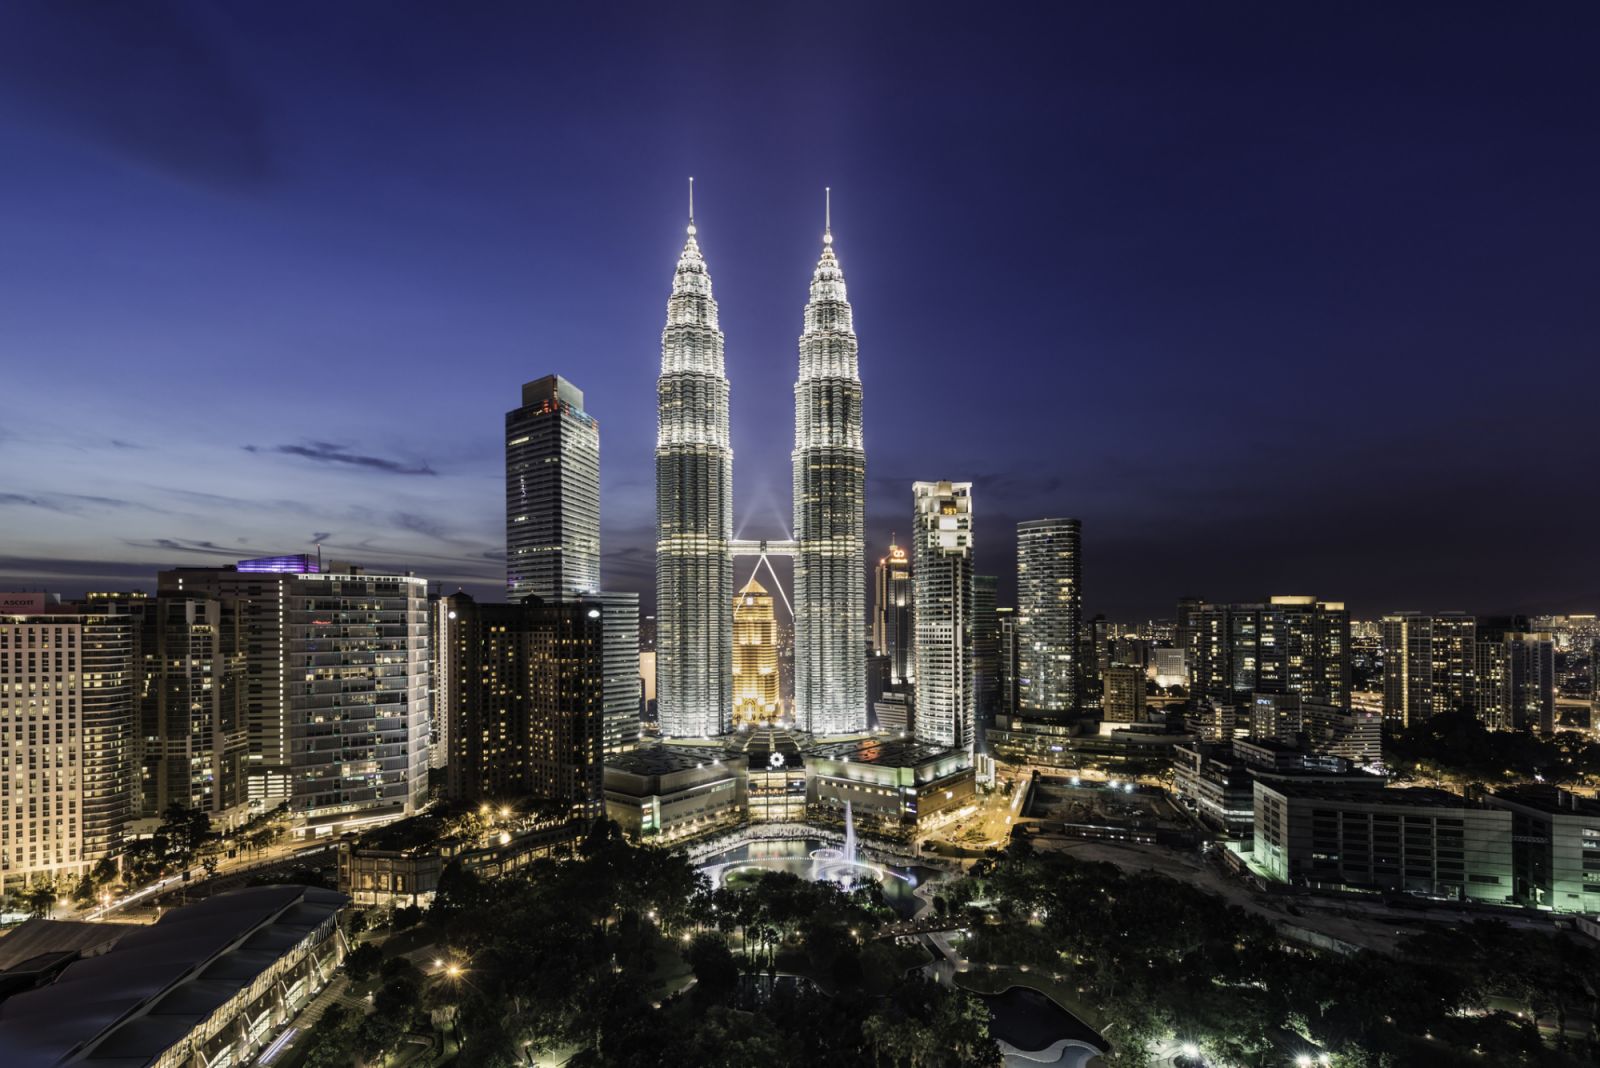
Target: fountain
x,y
849,836
840,865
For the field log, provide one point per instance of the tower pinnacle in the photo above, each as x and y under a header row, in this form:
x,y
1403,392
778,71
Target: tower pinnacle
x,y
691,205
827,215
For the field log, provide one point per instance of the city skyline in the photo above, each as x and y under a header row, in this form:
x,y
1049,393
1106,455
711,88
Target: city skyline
x,y
1343,305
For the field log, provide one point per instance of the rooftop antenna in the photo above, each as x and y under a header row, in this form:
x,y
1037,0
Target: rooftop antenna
x,y
827,215
691,204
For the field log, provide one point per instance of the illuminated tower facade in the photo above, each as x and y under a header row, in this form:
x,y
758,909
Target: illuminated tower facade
x,y
942,578
755,657
694,510
830,489
891,620
552,493
1049,611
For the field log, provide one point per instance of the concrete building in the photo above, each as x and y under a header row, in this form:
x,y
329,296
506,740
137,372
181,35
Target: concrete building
x,y
942,611
196,748
1555,836
1124,698
1171,667
893,786
666,792
213,983
1049,615
1398,841
1514,684
1217,780
830,493
1006,629
67,724
552,493
1291,645
891,614
1352,733
1428,665
985,653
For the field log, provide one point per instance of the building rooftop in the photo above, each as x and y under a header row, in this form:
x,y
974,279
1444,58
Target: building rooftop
x,y
889,752
1551,799
40,936
1414,796
127,1006
666,759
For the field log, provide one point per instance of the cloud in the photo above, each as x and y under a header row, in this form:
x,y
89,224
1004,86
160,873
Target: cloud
x,y
69,503
420,524
333,453
184,545
320,536
118,443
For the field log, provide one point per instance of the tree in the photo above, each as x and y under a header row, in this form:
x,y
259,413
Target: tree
x,y
361,962
716,972
40,898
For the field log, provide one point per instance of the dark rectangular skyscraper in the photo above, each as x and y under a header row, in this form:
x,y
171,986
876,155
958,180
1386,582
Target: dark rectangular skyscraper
x,y
552,493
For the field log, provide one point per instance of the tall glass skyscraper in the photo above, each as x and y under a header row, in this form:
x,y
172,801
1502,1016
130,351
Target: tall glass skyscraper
x,y
891,620
694,511
1049,613
830,491
942,577
552,493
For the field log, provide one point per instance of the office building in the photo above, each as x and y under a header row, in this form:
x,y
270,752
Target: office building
x,y
67,722
755,658
1428,665
1416,840
665,792
528,700
1049,611
1006,639
552,493
1124,698
942,611
895,713
694,511
1171,667
356,663
830,492
1351,733
1276,717
891,619
438,682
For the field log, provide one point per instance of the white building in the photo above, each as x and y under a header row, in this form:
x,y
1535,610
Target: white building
x,y
1049,610
830,492
942,614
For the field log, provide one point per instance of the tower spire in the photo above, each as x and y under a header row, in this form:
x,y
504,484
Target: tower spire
x,y
827,215
691,204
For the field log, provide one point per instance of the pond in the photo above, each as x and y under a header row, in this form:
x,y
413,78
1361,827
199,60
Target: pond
x,y
795,855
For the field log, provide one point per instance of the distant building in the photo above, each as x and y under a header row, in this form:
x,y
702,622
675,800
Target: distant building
x,y
197,747
942,577
1276,717
894,713
1171,667
67,722
1049,611
1290,645
1428,665
664,792
1555,846
1514,681
1006,628
755,657
1124,697
891,614
985,651
1211,721
1352,733
552,493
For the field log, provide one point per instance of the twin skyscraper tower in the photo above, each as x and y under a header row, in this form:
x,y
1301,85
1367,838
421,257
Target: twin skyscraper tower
x,y
695,546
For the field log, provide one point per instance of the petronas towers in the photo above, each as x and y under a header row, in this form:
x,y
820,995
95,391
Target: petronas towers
x,y
694,512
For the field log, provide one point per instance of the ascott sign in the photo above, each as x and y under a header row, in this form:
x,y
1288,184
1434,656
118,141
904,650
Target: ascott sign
x,y
18,603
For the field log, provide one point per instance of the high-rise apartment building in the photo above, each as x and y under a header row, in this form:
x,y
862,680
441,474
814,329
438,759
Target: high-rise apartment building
x,y
694,510
942,611
1514,680
985,652
552,493
526,693
830,492
196,749
355,649
1049,613
755,657
1290,645
1124,698
891,614
1006,629
67,724
1428,665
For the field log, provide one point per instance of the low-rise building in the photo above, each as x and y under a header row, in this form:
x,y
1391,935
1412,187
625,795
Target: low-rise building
x,y
893,785
208,984
1352,733
1416,840
672,791
1217,780
1555,846
400,863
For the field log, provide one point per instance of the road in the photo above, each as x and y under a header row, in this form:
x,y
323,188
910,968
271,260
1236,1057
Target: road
x,y
277,856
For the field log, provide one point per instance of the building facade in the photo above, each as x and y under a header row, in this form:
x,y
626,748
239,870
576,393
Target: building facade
x,y
891,618
755,657
356,653
830,492
942,611
552,493
1049,615
1428,665
197,748
1514,685
1290,645
694,511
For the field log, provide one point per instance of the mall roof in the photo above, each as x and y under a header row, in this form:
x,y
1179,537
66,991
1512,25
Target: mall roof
x,y
126,1007
39,936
